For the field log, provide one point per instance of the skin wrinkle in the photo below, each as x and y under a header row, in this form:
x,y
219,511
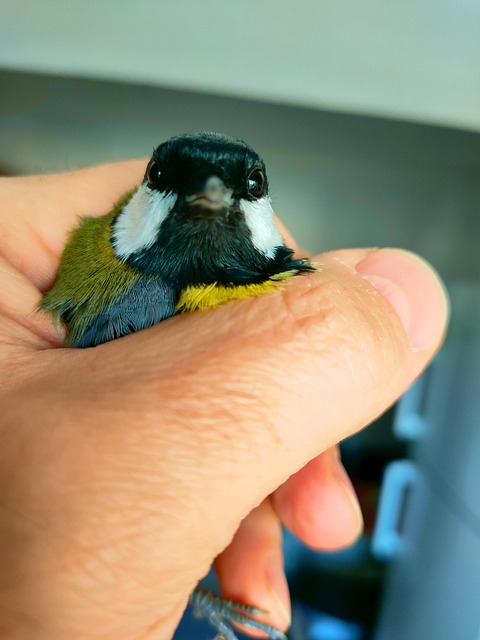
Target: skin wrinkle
x,y
230,457
15,340
96,578
351,348
93,571
23,331
346,342
215,368
302,303
333,310
104,630
120,555
131,472
232,465
13,308
367,318
261,432
151,629
125,472
218,439
114,561
227,401
19,259
10,618
226,541
383,355
290,337
48,253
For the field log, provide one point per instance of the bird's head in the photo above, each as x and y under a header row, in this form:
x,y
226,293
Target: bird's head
x,y
201,214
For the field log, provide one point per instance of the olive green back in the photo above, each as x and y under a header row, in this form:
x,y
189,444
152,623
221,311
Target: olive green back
x,y
90,276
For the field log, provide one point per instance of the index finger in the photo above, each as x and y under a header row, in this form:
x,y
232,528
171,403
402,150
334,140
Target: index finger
x,y
38,212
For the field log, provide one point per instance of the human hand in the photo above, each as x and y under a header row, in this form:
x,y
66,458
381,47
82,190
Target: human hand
x,y
126,469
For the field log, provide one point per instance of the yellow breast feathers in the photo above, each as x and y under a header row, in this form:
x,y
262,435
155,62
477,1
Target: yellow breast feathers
x,y
204,296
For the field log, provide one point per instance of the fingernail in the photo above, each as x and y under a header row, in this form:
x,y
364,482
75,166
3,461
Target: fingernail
x,y
344,481
279,589
413,289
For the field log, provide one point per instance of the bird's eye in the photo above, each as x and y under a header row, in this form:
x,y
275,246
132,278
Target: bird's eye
x,y
256,183
153,173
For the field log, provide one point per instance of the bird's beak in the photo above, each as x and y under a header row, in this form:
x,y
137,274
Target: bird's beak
x,y
214,197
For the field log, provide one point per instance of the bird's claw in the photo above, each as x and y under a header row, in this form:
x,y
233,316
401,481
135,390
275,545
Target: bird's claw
x,y
220,612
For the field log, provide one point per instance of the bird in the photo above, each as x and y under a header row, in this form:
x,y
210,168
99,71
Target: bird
x,y
198,231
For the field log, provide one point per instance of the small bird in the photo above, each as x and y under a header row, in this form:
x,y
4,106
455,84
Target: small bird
x,y
197,232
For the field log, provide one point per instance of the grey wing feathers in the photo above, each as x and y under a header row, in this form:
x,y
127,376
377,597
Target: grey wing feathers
x,y
147,302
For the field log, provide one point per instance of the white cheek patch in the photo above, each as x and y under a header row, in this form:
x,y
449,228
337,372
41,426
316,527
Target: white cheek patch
x,y
137,225
259,218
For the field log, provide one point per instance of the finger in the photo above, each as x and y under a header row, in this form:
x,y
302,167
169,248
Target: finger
x,y
318,504
40,211
250,569
286,235
20,325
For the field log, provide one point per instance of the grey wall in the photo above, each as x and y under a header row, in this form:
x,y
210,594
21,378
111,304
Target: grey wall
x,y
337,180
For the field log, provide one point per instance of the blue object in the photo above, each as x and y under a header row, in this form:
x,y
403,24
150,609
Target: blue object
x,y
310,624
387,540
409,422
